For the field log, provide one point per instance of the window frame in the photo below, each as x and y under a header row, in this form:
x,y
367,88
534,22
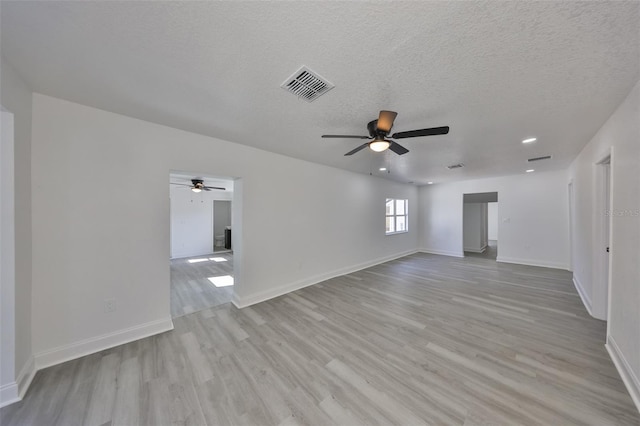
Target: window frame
x,y
395,216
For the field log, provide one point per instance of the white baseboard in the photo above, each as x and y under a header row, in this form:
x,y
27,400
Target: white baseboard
x,y
624,368
441,252
96,344
474,250
13,392
529,262
586,300
9,394
243,302
190,254
25,377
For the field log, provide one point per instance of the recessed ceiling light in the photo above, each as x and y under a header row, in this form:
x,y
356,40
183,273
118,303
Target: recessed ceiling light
x,y
429,183
530,170
382,169
529,140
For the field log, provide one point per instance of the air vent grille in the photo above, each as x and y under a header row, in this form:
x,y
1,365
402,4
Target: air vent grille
x,y
546,157
455,166
307,84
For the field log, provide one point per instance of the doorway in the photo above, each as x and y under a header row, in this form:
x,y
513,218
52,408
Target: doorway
x,y
221,226
602,254
480,225
201,265
571,221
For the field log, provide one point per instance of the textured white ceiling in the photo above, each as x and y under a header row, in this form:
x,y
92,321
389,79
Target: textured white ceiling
x,y
495,72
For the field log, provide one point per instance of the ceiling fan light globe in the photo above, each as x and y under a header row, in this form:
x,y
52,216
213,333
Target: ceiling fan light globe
x,y
196,189
379,145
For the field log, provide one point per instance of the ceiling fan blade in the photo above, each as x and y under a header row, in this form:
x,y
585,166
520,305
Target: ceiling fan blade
x,y
385,120
346,136
181,184
422,132
361,147
209,188
397,148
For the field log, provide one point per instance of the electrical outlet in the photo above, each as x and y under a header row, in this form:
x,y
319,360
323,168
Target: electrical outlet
x,y
110,306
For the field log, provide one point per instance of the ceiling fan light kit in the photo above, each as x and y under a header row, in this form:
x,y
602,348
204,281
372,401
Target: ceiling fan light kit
x,y
379,131
379,144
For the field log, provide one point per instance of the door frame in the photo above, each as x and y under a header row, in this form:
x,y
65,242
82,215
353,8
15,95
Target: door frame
x,y
9,389
602,236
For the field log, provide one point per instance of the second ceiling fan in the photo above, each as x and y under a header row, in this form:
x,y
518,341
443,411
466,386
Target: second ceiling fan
x,y
198,185
379,133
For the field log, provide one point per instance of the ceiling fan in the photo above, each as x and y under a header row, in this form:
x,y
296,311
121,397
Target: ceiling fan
x,y
379,130
198,185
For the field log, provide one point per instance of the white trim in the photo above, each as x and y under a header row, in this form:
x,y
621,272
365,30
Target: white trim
x,y
25,377
8,386
261,296
571,206
529,262
96,344
14,392
441,252
194,254
624,368
9,394
396,232
586,300
474,250
612,252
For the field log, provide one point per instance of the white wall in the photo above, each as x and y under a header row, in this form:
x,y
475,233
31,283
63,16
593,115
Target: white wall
x,y
91,245
533,209
474,225
192,220
620,136
492,221
15,96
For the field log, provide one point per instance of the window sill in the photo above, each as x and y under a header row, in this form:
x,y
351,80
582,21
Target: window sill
x,y
397,232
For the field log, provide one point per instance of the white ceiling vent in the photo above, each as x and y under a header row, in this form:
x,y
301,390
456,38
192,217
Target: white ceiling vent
x,y
307,84
455,166
546,157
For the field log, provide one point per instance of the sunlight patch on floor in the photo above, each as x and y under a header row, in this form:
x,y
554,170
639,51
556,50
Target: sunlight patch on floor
x,y
222,281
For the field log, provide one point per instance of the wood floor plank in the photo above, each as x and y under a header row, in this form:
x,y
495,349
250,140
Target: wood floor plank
x,y
191,291
424,339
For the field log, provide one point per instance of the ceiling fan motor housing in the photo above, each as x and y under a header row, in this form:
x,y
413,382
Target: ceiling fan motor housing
x,y
372,127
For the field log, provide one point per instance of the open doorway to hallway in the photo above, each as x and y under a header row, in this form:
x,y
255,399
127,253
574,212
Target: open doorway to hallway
x,y
201,264
480,225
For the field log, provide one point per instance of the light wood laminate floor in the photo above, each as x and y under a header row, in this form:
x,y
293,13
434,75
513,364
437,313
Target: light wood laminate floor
x,y
191,290
423,339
